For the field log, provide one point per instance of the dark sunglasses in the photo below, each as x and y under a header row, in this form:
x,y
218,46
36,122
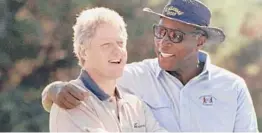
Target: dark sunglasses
x,y
174,35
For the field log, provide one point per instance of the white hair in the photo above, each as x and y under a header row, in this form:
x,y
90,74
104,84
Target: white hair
x,y
87,23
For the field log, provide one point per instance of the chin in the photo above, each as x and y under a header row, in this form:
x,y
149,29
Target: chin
x,y
167,66
115,75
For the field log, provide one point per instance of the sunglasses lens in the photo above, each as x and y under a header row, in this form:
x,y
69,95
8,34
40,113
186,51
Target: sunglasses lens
x,y
175,36
159,32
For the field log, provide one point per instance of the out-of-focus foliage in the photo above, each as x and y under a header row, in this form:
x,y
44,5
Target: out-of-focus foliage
x,y
36,48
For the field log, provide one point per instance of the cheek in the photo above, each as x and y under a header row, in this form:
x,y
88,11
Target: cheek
x,y
98,58
181,51
124,51
157,45
191,43
125,56
101,63
156,41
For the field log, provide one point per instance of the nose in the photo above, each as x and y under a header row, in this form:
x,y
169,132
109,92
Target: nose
x,y
117,50
164,41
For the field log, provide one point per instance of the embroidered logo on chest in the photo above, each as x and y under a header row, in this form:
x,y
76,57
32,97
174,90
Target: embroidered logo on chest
x,y
137,125
207,100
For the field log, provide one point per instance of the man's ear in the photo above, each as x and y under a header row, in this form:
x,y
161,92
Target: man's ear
x,y
201,41
82,52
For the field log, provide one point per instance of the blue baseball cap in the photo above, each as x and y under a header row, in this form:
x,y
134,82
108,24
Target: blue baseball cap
x,y
192,12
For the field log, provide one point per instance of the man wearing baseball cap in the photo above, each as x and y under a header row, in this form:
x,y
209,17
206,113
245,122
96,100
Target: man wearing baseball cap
x,y
184,90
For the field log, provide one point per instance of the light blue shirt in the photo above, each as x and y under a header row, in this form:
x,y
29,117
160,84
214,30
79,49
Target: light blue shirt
x,y
215,100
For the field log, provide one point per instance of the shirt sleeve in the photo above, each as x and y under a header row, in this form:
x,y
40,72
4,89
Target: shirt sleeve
x,y
135,76
152,125
127,81
246,120
46,101
79,119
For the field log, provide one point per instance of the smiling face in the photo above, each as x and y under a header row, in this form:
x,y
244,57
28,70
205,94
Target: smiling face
x,y
106,54
174,46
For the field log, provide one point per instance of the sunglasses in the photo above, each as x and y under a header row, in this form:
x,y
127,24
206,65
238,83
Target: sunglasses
x,y
174,35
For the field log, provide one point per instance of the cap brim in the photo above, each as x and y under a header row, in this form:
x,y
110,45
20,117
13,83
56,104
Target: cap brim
x,y
215,35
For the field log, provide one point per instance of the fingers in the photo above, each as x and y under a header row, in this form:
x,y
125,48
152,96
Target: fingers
x,y
68,104
66,101
70,96
75,92
71,99
65,105
86,94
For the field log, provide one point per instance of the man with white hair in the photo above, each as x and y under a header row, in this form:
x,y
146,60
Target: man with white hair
x,y
100,45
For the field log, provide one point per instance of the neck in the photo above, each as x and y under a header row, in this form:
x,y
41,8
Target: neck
x,y
107,85
185,74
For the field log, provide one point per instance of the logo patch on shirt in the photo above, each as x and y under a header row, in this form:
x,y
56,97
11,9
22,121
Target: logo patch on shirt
x,y
207,100
136,125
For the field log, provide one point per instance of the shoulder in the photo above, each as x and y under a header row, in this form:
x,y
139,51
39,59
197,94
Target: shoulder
x,y
228,80
77,83
147,65
137,75
130,98
75,119
222,74
133,101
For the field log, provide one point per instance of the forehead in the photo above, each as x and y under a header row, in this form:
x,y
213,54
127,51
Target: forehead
x,y
174,24
108,32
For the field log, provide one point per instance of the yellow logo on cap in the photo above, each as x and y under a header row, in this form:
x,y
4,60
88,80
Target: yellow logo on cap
x,y
173,11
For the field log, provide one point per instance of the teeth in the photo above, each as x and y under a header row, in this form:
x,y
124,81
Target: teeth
x,y
114,61
166,55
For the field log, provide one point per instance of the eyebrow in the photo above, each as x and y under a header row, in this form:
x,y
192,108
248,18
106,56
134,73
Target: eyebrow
x,y
110,41
103,43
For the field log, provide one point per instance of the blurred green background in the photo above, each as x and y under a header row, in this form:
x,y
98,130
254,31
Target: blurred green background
x,y
36,49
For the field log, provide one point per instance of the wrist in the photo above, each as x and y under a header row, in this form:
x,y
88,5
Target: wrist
x,y
54,89
49,94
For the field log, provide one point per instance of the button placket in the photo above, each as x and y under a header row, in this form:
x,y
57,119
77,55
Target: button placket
x,y
185,115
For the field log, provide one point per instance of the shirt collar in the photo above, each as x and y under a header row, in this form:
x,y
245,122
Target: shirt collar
x,y
90,84
202,56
